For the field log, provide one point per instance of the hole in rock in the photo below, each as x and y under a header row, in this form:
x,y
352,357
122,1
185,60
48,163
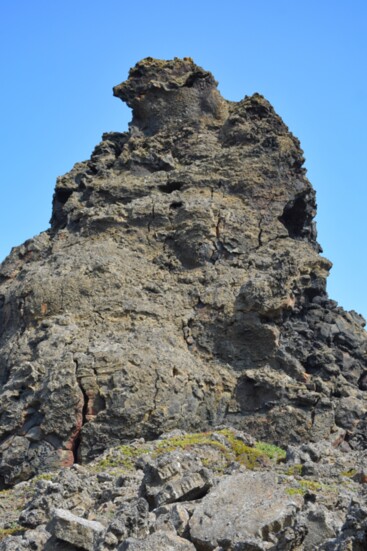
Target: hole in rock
x,y
170,187
62,195
295,216
176,205
78,438
312,292
362,383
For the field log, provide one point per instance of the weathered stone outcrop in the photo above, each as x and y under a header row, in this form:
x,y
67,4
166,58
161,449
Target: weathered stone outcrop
x,y
179,286
260,498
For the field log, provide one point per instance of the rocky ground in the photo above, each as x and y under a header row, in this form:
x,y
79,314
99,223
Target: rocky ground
x,y
181,287
217,490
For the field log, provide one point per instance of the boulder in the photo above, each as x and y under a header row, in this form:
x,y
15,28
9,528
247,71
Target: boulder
x,y
75,530
243,509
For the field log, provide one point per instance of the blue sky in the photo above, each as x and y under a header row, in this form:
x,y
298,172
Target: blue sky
x,y
60,59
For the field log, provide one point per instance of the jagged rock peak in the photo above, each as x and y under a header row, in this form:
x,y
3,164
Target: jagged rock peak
x,y
180,286
170,92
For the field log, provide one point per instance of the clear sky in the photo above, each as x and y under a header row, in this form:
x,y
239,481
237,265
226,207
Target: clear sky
x,y
60,59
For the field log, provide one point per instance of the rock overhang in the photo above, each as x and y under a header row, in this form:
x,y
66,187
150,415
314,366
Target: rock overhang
x,y
171,92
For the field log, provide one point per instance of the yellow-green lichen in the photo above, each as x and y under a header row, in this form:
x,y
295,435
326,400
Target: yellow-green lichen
x,y
188,441
14,530
304,485
294,491
294,470
272,451
232,449
349,474
121,459
228,447
311,485
43,476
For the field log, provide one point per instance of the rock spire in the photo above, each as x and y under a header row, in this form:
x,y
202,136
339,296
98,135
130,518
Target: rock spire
x,y
180,286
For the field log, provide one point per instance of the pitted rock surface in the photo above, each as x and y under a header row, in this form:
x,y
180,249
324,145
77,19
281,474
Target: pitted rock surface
x,y
243,508
179,286
74,530
310,499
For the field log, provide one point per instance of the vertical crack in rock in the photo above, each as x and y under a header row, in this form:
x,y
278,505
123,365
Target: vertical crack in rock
x,y
156,389
151,219
81,417
314,411
78,436
259,236
217,243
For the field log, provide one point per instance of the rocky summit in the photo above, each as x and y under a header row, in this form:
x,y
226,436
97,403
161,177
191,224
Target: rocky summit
x,y
173,373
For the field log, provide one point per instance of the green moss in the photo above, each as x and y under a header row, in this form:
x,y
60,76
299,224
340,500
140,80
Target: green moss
x,y
294,491
294,470
304,486
311,485
233,450
230,448
273,452
43,476
188,441
252,456
122,458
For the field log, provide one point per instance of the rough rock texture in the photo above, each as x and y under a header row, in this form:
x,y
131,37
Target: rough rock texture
x,y
242,508
159,540
260,498
179,286
75,530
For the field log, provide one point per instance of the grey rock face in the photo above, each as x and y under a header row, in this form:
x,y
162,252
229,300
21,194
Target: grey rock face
x,y
179,286
175,477
75,530
243,508
160,540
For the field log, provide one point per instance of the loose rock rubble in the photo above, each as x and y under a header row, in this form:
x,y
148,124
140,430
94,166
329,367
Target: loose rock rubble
x,y
180,288
159,495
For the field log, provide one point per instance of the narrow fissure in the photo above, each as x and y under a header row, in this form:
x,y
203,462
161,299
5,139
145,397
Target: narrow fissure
x,y
156,390
151,219
78,437
313,413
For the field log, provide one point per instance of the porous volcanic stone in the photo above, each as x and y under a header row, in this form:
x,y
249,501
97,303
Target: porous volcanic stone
x,y
75,530
180,285
242,508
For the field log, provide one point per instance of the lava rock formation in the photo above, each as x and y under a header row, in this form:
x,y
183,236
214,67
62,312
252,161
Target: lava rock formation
x,y
180,286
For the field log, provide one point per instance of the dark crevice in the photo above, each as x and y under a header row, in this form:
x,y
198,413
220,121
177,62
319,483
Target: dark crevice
x,y
156,390
62,195
297,216
362,382
176,205
194,77
151,219
313,412
78,438
199,305
311,293
194,494
217,227
170,187
259,237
